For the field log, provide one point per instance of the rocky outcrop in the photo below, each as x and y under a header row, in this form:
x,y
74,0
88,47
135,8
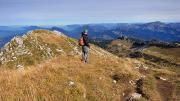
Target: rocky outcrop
x,y
12,50
36,46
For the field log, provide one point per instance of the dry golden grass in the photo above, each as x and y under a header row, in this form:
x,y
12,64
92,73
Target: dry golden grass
x,y
50,79
171,54
155,89
124,43
48,37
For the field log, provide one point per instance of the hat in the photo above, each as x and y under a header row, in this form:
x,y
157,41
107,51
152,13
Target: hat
x,y
85,31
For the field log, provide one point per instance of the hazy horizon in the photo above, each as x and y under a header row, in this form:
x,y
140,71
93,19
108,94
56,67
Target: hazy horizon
x,y
66,12
50,25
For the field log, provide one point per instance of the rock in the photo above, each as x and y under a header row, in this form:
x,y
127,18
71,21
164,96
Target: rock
x,y
19,41
142,76
59,33
161,78
75,51
145,68
49,52
24,36
3,60
135,96
41,48
132,82
15,58
84,95
20,67
137,67
71,83
123,94
1,53
141,66
114,81
59,50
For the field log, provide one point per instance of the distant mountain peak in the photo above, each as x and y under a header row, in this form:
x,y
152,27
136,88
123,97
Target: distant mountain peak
x,y
156,23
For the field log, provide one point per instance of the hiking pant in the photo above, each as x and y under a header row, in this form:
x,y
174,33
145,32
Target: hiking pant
x,y
85,54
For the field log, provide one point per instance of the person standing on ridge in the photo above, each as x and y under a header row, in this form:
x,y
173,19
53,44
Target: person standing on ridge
x,y
84,42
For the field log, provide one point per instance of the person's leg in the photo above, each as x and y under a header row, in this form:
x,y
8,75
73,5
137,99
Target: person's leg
x,y
83,54
87,54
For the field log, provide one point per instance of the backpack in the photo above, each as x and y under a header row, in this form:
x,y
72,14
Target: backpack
x,y
81,41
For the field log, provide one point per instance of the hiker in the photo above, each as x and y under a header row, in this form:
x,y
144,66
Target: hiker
x,y
84,42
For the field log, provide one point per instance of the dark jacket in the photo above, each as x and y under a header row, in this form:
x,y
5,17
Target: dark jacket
x,y
86,40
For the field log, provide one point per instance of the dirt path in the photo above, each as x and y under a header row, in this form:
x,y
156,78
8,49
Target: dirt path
x,y
165,89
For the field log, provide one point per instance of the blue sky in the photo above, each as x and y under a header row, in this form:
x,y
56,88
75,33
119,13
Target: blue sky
x,y
60,12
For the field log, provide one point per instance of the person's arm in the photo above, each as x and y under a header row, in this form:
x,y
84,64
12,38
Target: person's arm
x,y
86,41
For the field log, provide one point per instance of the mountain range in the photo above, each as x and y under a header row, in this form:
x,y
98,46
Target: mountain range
x,y
167,32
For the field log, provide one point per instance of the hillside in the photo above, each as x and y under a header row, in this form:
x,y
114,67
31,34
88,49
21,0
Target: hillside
x,y
153,51
158,56
46,65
